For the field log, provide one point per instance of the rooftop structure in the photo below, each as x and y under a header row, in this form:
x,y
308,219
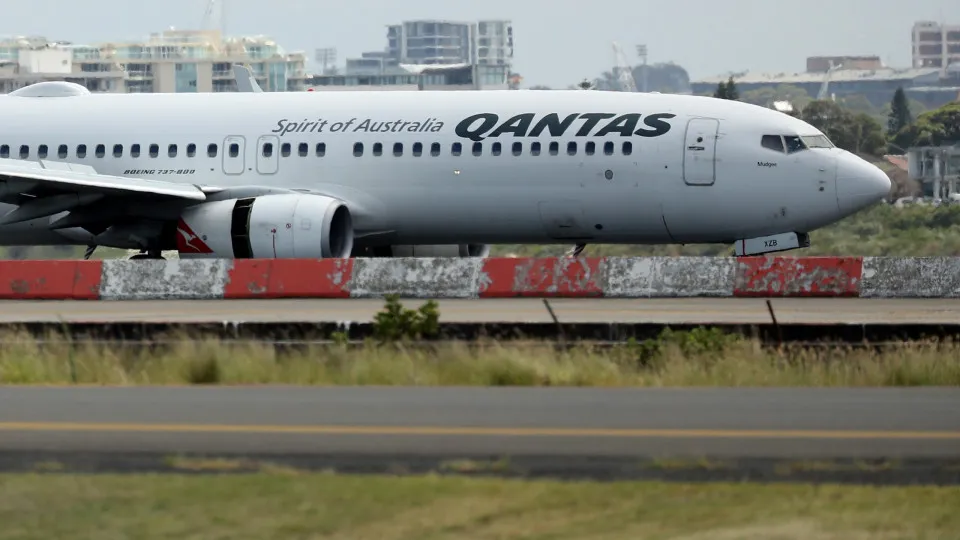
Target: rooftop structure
x,y
936,168
417,77
935,44
170,61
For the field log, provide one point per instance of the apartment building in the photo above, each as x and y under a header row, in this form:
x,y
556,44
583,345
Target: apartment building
x,y
170,61
935,45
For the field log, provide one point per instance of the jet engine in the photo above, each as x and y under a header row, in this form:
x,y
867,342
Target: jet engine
x,y
446,250
283,226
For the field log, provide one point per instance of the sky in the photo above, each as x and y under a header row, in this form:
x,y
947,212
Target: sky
x,y
557,42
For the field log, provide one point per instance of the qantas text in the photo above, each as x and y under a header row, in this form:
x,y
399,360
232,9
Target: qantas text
x,y
354,125
485,125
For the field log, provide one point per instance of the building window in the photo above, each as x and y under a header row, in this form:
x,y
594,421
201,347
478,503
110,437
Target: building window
x,y
118,150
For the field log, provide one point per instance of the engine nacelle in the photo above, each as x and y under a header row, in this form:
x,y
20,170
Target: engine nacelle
x,y
446,250
284,226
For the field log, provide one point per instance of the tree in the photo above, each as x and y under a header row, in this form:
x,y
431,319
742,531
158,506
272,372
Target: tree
x,y
855,132
899,117
932,128
727,90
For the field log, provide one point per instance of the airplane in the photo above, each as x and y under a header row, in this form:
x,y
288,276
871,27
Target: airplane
x,y
255,174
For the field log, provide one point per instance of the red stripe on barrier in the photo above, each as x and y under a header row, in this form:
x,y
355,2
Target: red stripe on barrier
x,y
798,276
289,278
556,277
50,280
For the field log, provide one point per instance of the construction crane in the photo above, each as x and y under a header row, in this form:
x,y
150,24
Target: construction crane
x,y
212,6
825,86
623,71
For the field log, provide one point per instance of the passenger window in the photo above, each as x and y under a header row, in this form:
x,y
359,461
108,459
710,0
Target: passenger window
x,y
42,151
303,149
772,142
285,149
62,151
234,150
417,149
357,149
81,150
172,150
4,151
571,148
535,148
477,148
456,149
100,150
590,148
554,148
435,149
154,150
608,148
517,148
267,150
24,152
377,149
398,149
191,150
135,150
118,150
321,149
496,149
627,148
794,144
211,150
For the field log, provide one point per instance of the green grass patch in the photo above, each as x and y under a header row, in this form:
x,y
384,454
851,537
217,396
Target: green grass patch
x,y
308,505
699,358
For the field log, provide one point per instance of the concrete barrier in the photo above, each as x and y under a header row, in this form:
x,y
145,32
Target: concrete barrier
x,y
613,277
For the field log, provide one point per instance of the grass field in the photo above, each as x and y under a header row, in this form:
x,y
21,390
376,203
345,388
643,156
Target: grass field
x,y
696,359
294,505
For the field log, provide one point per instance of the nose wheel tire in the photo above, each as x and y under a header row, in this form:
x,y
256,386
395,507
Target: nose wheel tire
x,y
147,255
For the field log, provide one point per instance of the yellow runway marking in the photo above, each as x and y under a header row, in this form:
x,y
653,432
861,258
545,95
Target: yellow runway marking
x,y
479,431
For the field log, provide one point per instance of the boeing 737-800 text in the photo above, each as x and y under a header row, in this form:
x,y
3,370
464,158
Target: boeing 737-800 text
x,y
340,174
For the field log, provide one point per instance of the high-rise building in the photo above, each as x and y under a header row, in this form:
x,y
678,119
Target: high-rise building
x,y
935,45
171,61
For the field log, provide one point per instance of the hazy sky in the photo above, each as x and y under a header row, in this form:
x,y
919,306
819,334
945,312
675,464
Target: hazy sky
x,y
557,42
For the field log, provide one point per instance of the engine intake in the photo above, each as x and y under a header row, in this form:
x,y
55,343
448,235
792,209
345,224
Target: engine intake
x,y
283,226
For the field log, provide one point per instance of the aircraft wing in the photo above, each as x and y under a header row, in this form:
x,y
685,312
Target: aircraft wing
x,y
47,187
245,80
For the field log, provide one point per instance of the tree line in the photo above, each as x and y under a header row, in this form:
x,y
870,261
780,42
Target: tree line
x,y
861,133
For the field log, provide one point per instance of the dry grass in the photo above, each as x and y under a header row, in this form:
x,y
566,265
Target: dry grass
x,y
300,505
704,360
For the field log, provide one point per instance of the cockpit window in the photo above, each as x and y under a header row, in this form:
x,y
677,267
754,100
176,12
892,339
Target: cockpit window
x,y
794,144
817,141
772,142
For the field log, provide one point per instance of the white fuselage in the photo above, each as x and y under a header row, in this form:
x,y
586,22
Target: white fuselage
x,y
708,178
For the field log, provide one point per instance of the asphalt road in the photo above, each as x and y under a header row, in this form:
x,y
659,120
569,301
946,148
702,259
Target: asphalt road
x,y
591,310
465,422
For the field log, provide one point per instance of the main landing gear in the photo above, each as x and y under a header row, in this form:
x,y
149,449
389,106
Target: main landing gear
x,y
576,251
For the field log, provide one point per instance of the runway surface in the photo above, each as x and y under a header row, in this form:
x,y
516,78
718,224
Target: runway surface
x,y
590,310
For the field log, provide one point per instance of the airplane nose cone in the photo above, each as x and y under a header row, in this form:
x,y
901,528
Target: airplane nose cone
x,y
859,184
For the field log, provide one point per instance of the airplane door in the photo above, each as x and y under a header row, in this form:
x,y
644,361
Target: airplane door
x,y
233,155
700,152
268,154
